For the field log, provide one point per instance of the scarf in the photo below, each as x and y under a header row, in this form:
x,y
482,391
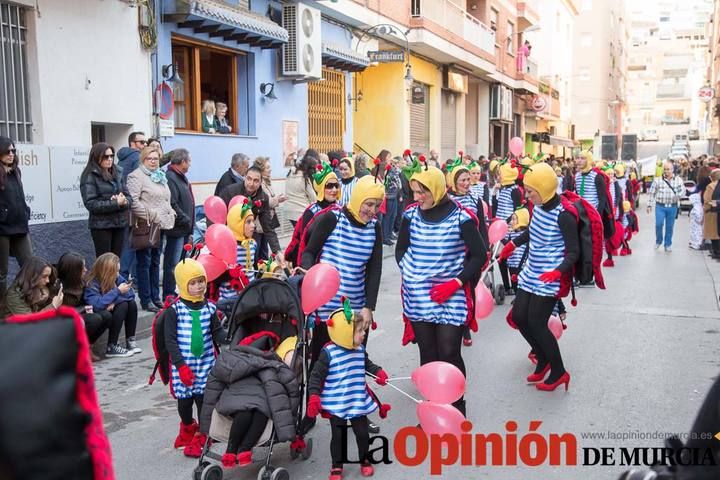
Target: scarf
x,y
158,176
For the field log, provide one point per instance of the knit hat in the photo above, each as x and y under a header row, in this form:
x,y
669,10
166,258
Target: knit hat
x,y
433,179
508,174
620,169
589,160
324,174
453,169
189,269
341,325
366,188
523,218
542,179
236,219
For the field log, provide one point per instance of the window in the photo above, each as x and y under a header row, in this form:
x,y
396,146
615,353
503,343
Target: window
x,y
208,73
510,37
493,18
14,92
586,40
517,125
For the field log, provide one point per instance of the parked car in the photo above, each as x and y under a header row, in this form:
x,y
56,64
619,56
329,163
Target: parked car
x,y
685,204
681,139
693,134
649,135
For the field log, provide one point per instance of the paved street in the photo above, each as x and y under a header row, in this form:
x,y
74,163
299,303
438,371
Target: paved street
x,y
641,354
662,148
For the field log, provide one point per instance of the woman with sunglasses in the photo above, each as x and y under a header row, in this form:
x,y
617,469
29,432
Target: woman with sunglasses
x,y
14,213
106,199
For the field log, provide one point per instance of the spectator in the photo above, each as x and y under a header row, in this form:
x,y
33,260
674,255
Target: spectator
x,y
252,188
361,165
235,174
434,160
209,122
107,291
128,161
106,198
183,203
392,192
711,224
664,194
222,124
148,187
164,157
34,289
299,187
263,164
14,214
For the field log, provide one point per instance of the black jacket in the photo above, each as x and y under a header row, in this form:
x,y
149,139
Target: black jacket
x,y
96,193
14,211
263,213
228,178
183,202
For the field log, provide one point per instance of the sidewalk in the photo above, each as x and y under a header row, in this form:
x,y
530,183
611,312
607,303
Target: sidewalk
x,y
713,268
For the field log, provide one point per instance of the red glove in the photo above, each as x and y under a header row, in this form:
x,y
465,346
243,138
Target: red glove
x,y
507,250
384,409
313,406
382,377
186,375
551,276
441,293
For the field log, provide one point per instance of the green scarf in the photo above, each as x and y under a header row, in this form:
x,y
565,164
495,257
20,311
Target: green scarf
x,y
197,343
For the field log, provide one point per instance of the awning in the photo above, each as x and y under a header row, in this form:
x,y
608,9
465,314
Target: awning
x,y
561,141
341,58
230,23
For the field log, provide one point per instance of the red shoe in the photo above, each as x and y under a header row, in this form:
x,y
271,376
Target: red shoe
x,y
538,377
229,460
624,252
564,378
609,262
467,342
629,252
187,432
194,450
532,357
244,458
335,474
367,470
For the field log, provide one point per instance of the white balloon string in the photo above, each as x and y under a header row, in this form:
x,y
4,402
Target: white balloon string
x,y
396,388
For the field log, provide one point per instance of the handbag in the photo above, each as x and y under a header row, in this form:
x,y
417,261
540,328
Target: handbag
x,y
143,233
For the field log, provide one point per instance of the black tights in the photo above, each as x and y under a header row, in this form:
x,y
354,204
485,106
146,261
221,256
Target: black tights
x,y
185,408
362,437
531,313
247,428
124,312
506,273
442,343
96,324
715,246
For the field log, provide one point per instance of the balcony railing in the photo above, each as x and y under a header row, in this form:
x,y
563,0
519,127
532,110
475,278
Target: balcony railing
x,y
532,68
454,18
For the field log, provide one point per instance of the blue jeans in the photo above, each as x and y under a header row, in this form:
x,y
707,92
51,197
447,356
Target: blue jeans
x,y
127,260
664,216
171,257
388,220
148,274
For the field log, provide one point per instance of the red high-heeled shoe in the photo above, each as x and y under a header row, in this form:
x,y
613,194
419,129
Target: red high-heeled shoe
x,y
537,377
545,387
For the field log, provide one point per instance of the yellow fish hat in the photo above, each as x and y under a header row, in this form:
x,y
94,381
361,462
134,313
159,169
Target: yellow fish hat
x,y
626,206
620,169
541,178
341,325
433,179
508,174
493,165
454,169
324,174
366,188
589,162
236,219
189,269
286,346
474,167
523,218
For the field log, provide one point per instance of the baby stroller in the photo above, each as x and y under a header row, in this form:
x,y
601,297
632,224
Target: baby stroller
x,y
488,276
266,304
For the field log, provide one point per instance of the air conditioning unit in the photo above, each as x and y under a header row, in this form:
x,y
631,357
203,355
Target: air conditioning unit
x,y
302,54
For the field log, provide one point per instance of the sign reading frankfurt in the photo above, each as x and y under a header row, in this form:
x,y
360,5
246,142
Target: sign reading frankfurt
x,y
386,56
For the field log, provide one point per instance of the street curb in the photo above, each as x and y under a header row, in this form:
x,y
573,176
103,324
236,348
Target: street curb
x,y
713,268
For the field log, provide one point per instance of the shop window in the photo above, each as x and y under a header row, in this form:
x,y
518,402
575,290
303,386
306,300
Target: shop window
x,y
209,74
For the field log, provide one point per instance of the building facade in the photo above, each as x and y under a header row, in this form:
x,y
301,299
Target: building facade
x,y
712,79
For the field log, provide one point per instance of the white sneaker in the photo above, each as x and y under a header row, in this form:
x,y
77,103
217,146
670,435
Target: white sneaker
x,y
657,246
668,249
133,346
117,351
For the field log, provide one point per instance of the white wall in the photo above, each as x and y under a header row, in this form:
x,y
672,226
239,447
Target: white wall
x,y
97,40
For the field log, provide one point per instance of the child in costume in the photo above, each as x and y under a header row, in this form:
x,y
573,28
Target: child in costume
x,y
696,222
191,330
337,386
518,224
241,221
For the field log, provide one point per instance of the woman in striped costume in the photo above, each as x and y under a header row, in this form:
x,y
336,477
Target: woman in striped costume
x,y
328,191
616,200
439,251
553,250
347,179
479,188
191,330
589,184
509,199
241,222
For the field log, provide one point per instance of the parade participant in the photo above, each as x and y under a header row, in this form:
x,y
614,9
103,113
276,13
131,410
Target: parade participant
x,y
439,251
616,201
510,196
590,183
553,250
479,188
191,329
241,221
493,183
337,387
510,268
622,180
347,178
560,180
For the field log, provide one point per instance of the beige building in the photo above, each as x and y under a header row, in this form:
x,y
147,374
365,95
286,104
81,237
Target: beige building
x,y
712,77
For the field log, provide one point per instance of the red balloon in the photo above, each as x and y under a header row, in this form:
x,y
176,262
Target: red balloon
x,y
555,326
237,199
320,285
484,301
497,231
215,209
439,418
221,242
439,382
214,267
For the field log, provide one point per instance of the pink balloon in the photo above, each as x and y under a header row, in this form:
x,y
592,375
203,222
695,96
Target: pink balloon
x,y
215,209
555,326
516,146
214,267
320,285
497,231
221,242
484,301
439,382
237,199
439,418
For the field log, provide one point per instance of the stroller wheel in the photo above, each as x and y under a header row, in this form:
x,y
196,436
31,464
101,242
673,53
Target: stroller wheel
x,y
499,294
196,475
265,472
280,474
212,472
307,452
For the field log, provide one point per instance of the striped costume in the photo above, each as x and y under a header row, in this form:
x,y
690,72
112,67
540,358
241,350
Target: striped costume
x,y
547,251
345,392
478,190
346,190
505,205
435,256
314,208
585,187
613,200
200,366
560,181
623,187
468,201
226,291
348,248
516,258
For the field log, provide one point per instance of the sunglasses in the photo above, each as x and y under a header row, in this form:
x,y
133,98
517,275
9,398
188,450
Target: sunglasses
x,y
144,142
11,150
105,157
330,186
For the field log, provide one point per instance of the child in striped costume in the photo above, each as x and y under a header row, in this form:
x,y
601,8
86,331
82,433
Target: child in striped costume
x,y
511,267
191,330
241,222
337,387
